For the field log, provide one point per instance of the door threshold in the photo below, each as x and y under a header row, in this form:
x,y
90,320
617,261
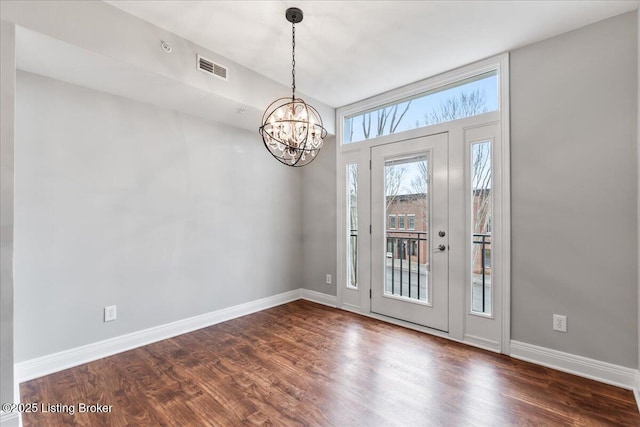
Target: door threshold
x,y
408,325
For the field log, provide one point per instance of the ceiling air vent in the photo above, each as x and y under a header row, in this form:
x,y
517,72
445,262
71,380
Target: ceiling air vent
x,y
208,66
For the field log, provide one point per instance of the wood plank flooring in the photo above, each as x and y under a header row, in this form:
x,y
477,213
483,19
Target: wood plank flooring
x,y
306,364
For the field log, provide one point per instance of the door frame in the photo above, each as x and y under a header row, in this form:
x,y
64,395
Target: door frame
x,y
358,300
429,314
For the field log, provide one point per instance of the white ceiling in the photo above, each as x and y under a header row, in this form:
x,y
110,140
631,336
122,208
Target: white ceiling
x,y
72,64
350,50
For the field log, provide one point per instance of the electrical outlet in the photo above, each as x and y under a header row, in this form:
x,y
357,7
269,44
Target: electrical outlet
x,y
110,313
559,323
328,279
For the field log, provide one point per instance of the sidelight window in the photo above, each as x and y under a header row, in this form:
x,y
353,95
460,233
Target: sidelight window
x,y
481,202
352,224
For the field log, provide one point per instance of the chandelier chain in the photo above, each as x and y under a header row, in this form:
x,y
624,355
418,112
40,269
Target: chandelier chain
x,y
292,130
293,59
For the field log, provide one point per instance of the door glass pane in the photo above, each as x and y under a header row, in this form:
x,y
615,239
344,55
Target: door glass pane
x,y
481,212
407,255
352,225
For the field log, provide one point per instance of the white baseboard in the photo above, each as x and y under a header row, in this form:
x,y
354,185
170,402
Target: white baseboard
x,y
589,368
482,343
636,390
351,307
51,363
607,373
319,297
9,419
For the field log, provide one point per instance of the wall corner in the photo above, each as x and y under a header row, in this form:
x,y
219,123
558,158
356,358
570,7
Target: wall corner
x,y
7,124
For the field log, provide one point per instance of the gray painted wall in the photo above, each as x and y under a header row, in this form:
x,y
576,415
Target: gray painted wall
x,y
319,220
164,215
7,95
574,191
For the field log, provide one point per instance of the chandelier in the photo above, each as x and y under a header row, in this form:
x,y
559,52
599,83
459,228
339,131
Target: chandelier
x,y
291,129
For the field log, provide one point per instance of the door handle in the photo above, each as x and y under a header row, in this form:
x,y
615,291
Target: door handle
x,y
440,248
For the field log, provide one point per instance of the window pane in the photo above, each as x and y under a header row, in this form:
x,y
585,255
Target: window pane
x,y
352,225
470,97
482,210
407,255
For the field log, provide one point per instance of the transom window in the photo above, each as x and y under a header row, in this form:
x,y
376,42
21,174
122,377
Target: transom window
x,y
465,98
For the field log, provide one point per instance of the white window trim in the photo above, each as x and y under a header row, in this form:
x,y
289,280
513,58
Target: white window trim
x,y
357,150
350,298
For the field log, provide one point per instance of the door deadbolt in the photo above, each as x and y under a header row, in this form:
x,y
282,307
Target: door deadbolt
x,y
441,233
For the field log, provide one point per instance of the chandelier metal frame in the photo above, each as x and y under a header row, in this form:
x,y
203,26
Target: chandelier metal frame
x,y
292,130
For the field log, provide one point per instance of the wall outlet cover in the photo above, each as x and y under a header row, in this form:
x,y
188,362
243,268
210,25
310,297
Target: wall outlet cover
x,y
559,323
110,313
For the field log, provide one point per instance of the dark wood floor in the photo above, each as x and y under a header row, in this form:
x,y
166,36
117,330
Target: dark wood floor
x,y
306,364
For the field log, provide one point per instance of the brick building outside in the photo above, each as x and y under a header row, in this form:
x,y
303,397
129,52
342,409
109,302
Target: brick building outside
x,y
407,228
407,234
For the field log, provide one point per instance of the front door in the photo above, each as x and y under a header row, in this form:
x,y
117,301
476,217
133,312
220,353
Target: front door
x,y
409,235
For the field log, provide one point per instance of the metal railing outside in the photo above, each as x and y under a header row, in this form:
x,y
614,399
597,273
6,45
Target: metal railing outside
x,y
353,257
404,246
484,240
